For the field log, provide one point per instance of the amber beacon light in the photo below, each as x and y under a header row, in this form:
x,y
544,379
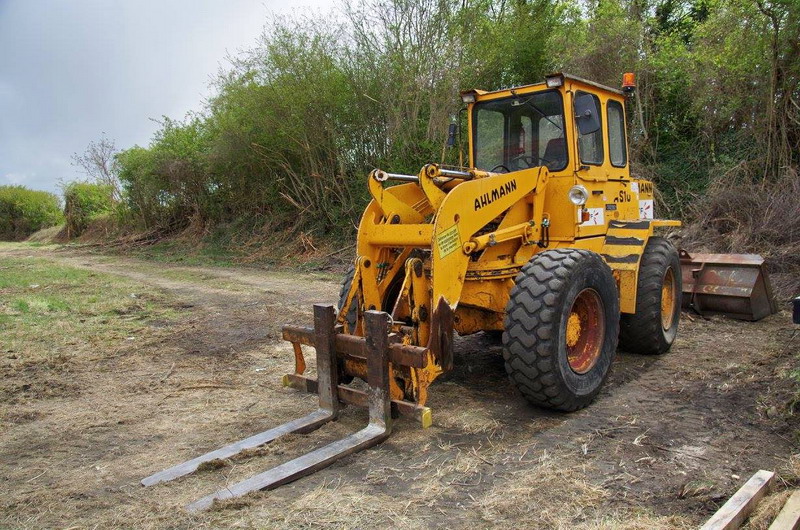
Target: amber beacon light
x,y
628,82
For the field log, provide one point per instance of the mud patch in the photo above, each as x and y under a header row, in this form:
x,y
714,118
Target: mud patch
x,y
20,417
37,389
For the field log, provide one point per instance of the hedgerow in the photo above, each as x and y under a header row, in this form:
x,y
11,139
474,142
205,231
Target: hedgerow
x,y
24,211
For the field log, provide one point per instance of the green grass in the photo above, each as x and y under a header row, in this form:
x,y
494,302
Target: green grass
x,y
51,311
188,275
22,245
186,253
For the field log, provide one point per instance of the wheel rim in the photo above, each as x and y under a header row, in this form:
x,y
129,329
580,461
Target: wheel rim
x,y
668,300
585,331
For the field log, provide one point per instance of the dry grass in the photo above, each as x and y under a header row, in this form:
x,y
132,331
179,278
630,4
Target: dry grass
x,y
472,420
554,493
626,520
74,451
790,473
767,510
53,234
557,492
338,504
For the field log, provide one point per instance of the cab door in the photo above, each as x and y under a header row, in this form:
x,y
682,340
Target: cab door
x,y
601,162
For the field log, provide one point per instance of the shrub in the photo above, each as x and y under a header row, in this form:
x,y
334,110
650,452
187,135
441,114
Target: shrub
x,y
297,122
24,211
83,202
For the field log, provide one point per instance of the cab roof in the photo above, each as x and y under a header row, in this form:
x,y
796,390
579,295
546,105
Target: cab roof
x,y
479,92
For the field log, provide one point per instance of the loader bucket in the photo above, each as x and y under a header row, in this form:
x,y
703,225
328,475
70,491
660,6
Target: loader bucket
x,y
735,285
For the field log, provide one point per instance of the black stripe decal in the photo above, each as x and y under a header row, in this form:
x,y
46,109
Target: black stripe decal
x,y
614,240
635,225
630,258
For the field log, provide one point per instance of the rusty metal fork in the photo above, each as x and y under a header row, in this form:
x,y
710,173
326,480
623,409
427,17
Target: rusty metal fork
x,y
377,324
324,321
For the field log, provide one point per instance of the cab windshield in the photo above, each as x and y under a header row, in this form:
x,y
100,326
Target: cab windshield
x,y
519,132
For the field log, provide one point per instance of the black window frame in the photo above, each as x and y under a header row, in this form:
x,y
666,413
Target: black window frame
x,y
602,149
624,133
475,108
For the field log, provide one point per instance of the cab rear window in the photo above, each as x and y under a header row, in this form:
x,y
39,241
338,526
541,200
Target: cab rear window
x,y
617,151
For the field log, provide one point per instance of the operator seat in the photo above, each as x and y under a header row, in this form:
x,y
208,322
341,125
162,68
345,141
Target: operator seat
x,y
555,154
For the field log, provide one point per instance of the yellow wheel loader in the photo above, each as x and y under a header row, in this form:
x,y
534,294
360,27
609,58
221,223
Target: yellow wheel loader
x,y
543,236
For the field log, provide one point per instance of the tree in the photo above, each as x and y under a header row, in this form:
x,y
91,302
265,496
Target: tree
x,y
98,162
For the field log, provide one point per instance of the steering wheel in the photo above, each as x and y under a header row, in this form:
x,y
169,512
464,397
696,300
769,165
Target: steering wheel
x,y
517,161
531,161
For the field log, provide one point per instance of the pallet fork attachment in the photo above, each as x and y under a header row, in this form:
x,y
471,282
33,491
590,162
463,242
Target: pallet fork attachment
x,y
377,327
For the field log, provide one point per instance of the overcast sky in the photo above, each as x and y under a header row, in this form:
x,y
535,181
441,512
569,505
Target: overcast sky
x,y
71,70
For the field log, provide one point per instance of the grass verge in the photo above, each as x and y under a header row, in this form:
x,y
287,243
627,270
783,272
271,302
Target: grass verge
x,y
52,312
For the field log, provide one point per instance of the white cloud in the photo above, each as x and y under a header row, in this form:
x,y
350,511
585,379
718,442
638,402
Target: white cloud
x,y
15,178
72,71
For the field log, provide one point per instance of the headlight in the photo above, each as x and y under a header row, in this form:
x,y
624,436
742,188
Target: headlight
x,y
578,195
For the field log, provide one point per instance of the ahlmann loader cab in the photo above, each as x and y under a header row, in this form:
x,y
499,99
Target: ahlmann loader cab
x,y
544,237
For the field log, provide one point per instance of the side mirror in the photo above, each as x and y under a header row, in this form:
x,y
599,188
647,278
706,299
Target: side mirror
x,y
451,135
587,114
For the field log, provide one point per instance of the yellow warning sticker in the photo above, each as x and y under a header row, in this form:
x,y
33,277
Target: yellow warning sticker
x,y
448,241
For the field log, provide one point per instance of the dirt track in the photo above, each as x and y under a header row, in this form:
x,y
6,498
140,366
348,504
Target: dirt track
x,y
667,441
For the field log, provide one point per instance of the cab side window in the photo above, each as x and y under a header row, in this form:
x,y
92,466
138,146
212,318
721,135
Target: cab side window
x,y
590,146
617,151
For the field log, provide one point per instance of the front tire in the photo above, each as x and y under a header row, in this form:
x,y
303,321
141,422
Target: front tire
x,y
561,328
654,326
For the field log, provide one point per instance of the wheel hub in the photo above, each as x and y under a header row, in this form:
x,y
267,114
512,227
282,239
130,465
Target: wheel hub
x,y
585,331
573,329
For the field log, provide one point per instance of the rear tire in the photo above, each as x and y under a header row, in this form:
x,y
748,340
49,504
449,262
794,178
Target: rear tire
x,y
652,329
352,312
561,328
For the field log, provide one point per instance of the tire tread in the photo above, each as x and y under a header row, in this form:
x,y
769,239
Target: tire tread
x,y
530,330
641,332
